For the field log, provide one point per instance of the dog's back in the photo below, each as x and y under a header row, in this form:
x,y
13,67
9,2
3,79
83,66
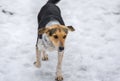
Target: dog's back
x,y
49,12
49,9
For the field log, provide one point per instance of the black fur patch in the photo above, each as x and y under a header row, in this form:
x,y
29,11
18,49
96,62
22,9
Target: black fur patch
x,y
48,13
52,31
53,1
71,28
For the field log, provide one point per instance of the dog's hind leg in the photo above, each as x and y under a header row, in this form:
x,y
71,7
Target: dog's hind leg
x,y
37,63
45,56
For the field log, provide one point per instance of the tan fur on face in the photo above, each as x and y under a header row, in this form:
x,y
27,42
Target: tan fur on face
x,y
59,30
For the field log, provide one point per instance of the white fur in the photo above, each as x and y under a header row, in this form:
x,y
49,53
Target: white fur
x,y
53,22
48,45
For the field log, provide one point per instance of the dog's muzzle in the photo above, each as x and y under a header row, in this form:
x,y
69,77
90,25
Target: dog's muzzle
x,y
61,49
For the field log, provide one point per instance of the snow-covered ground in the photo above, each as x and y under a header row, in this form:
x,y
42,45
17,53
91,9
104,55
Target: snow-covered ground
x,y
92,51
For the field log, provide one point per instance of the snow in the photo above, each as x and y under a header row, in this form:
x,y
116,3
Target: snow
x,y
92,51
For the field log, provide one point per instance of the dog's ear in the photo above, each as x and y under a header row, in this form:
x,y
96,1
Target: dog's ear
x,y
42,30
70,28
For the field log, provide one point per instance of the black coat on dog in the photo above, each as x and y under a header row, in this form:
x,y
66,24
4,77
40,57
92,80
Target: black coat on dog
x,y
48,13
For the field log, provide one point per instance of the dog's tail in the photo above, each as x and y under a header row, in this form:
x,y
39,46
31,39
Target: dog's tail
x,y
53,1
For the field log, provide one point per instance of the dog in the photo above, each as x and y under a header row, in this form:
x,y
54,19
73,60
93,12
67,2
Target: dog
x,y
52,34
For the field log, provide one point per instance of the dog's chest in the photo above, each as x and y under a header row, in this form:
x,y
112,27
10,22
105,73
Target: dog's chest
x,y
47,43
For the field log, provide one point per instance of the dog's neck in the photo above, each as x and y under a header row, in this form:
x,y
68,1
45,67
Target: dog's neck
x,y
53,22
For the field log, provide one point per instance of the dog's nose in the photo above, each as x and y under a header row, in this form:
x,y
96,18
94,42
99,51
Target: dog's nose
x,y
61,48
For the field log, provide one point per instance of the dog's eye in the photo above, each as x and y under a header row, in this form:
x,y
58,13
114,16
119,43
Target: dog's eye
x,y
55,36
64,36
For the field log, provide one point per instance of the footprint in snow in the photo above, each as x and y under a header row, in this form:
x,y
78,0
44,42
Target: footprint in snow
x,y
27,65
7,12
83,68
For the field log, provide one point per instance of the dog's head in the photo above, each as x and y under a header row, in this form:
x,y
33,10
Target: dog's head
x,y
57,34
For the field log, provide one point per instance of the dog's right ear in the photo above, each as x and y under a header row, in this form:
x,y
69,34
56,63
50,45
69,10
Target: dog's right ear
x,y
42,30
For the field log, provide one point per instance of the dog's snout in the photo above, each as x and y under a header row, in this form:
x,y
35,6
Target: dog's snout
x,y
61,48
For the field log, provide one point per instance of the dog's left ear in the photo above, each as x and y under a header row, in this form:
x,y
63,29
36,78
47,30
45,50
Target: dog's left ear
x,y
42,30
70,28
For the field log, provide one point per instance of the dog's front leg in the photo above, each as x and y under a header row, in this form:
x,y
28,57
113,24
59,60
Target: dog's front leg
x,y
38,56
45,56
59,76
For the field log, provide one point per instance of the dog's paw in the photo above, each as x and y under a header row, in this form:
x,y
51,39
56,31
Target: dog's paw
x,y
45,58
59,78
38,65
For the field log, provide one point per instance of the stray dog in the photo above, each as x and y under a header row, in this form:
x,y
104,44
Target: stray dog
x,y
52,33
